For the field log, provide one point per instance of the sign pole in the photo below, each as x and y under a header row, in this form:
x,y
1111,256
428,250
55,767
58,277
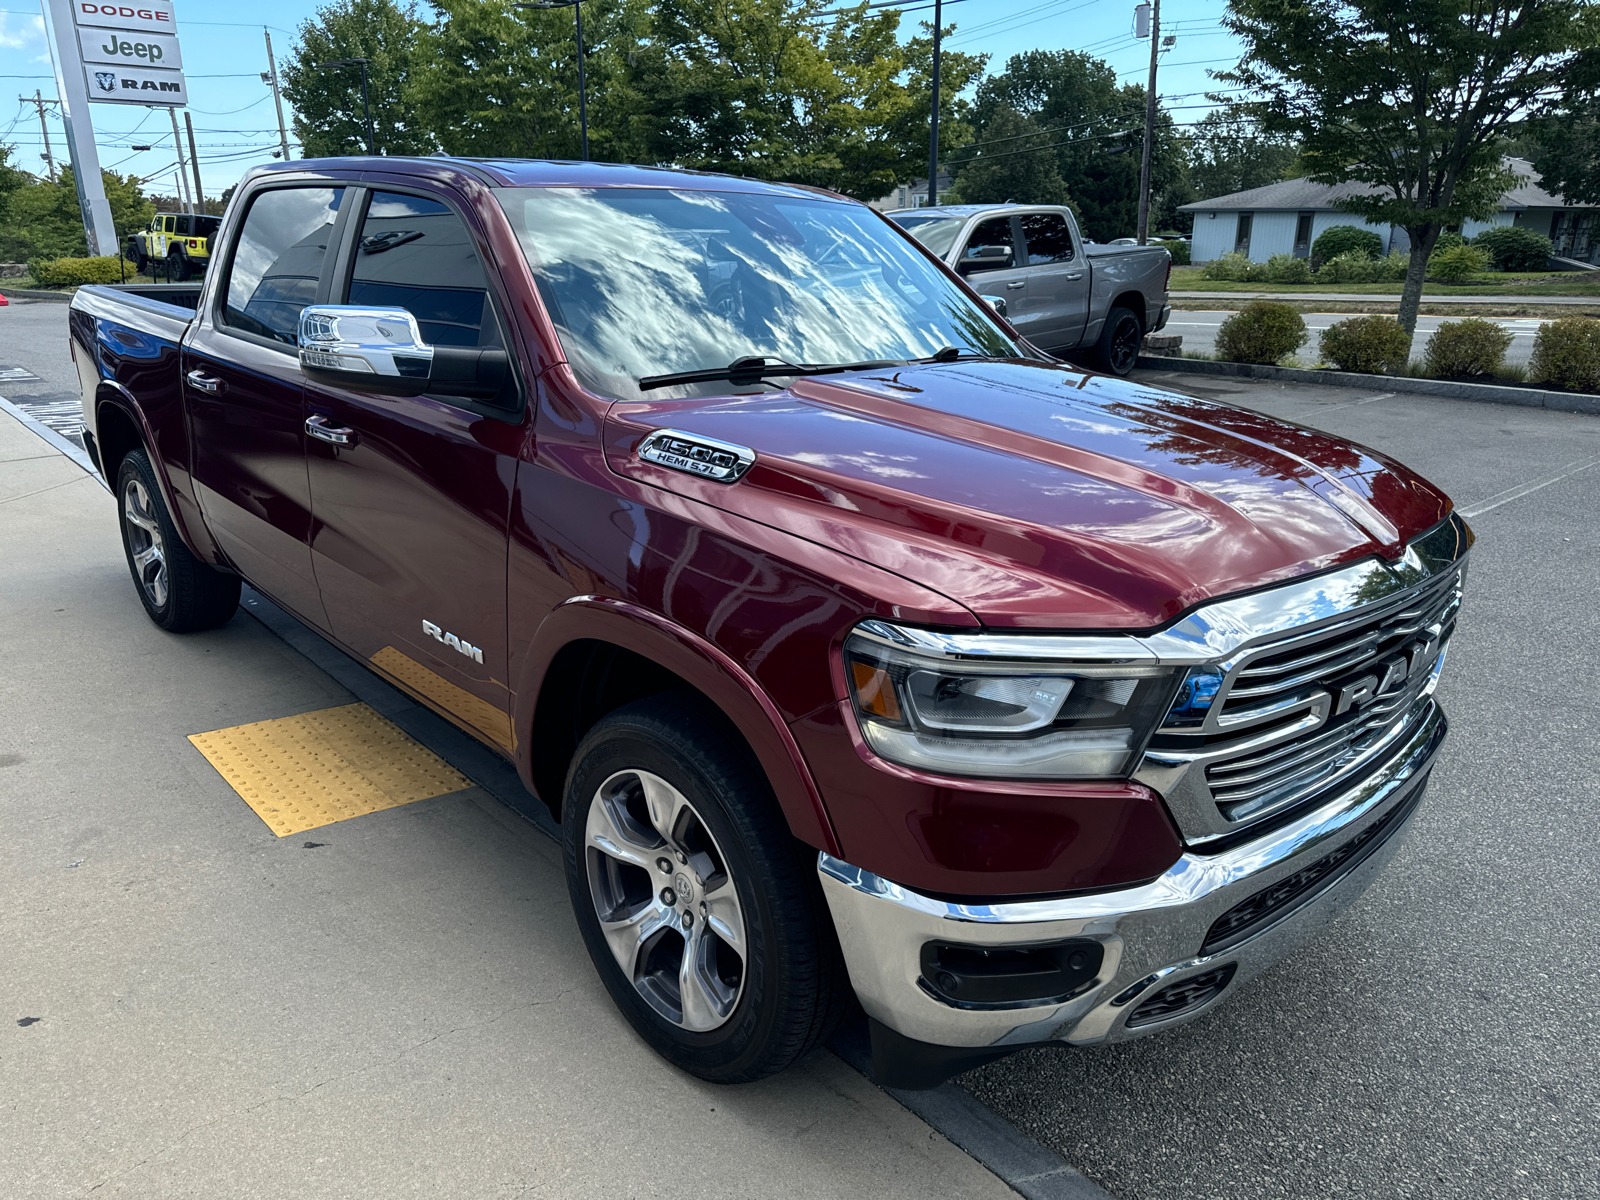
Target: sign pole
x,y
183,167
99,231
194,161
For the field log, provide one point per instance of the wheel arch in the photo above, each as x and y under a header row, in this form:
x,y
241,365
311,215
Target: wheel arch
x,y
120,427
593,654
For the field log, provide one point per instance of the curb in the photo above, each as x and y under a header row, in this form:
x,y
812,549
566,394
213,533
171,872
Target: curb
x,y
12,293
1482,393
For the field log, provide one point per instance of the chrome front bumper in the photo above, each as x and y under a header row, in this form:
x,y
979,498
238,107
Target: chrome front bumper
x,y
1151,935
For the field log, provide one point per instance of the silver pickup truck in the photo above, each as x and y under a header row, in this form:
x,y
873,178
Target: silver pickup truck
x,y
1064,295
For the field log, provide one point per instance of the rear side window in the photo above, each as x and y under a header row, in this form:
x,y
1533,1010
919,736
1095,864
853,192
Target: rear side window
x,y
416,254
180,225
279,258
1049,239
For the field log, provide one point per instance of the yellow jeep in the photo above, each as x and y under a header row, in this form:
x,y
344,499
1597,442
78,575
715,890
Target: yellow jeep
x,y
184,241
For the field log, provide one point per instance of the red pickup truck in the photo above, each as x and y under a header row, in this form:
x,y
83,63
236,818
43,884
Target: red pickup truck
x,y
859,646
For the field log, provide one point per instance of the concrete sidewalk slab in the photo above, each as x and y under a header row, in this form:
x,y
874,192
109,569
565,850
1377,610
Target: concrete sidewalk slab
x,y
396,1005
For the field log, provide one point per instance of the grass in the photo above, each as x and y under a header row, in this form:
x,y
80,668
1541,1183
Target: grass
x,y
1498,283
28,283
1430,308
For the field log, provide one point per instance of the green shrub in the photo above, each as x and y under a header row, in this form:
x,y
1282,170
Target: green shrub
x,y
1455,263
1261,332
1350,267
67,272
1179,251
1375,345
1235,268
1447,240
1470,347
1392,267
1345,239
1513,249
1286,268
1566,354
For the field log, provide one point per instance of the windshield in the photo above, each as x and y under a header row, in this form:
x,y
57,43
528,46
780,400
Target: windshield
x,y
934,230
643,282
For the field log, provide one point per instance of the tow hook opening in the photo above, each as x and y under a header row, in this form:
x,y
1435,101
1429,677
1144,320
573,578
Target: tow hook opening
x,y
977,976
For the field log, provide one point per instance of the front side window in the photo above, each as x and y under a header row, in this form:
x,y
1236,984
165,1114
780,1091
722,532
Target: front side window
x,y
278,260
996,231
416,254
1049,240
935,231
643,282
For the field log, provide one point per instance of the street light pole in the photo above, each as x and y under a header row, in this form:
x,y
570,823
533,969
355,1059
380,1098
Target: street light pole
x,y
366,103
583,92
933,122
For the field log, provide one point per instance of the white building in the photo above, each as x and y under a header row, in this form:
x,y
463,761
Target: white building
x,y
1285,218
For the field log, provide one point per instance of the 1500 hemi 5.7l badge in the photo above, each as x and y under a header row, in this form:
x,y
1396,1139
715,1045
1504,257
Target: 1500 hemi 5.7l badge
x,y
697,454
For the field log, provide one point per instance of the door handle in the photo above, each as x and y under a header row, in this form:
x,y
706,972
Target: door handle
x,y
202,382
1075,275
1015,284
340,435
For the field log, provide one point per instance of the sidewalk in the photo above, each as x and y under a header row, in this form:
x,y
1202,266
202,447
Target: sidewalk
x,y
1387,298
398,1004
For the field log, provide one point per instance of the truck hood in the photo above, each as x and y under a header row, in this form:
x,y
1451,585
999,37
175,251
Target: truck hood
x,y
1040,496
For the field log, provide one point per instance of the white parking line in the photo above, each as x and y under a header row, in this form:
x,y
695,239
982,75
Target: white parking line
x,y
1526,489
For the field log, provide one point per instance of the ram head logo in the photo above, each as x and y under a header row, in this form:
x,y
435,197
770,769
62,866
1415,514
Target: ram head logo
x,y
107,80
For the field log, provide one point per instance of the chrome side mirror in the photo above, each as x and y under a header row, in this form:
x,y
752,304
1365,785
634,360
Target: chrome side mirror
x,y
998,303
366,349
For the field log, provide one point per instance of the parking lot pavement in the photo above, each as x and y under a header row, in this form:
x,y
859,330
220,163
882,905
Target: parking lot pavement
x,y
1441,1041
398,1004
1199,330
36,365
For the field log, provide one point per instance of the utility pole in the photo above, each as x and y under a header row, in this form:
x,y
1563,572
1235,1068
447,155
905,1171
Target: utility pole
x,y
933,117
177,143
194,162
271,76
583,92
39,102
1149,124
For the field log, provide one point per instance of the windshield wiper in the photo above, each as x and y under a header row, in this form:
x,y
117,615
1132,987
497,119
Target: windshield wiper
x,y
754,368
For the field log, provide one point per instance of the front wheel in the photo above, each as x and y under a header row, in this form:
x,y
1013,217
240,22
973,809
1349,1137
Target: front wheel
x,y
180,592
697,907
1120,339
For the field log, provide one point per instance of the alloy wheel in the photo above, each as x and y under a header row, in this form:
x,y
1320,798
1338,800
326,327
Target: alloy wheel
x,y
666,901
146,548
1125,341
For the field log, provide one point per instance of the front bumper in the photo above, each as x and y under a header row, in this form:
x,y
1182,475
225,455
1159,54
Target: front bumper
x,y
1153,936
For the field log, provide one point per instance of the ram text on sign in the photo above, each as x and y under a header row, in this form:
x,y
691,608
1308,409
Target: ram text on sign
x,y
135,85
148,18
130,49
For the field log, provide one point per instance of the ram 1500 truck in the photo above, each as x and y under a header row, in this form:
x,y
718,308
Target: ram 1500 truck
x,y
858,645
1066,296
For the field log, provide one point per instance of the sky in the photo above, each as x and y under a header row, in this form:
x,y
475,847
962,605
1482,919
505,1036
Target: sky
x,y
236,127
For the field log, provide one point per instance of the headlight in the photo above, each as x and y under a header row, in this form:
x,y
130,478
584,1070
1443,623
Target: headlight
x,y
960,706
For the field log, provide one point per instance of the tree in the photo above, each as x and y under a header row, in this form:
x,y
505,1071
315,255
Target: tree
x,y
329,117
1096,128
494,80
1229,152
1011,162
1568,162
765,88
42,219
1409,99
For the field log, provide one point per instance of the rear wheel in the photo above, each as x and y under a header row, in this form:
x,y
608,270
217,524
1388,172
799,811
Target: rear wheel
x,y
696,905
179,592
1120,339
178,264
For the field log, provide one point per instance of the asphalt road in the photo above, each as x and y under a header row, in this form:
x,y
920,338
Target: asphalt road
x,y
1441,1040
36,365
1199,330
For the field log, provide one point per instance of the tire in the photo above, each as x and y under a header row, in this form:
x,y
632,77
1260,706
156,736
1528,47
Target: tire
x,y
179,592
178,264
142,261
675,906
1120,338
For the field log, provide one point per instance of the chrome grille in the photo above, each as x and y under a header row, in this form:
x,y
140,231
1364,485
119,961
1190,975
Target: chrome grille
x,y
1289,693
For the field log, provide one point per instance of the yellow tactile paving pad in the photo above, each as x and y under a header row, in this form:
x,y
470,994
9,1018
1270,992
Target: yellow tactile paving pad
x,y
299,773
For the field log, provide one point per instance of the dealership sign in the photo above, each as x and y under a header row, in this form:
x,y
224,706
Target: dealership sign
x,y
130,53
